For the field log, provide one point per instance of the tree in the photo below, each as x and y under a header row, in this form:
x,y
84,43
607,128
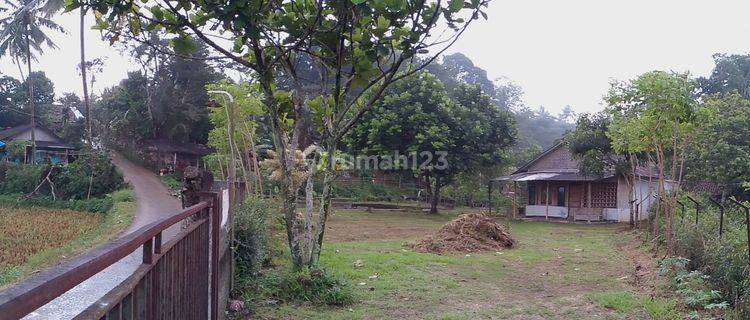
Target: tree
x,y
170,101
182,117
121,112
567,114
730,74
656,114
10,113
71,128
247,106
538,129
23,30
721,153
363,47
591,145
455,69
450,136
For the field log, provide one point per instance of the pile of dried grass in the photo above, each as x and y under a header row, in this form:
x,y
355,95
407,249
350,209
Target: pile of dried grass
x,y
471,232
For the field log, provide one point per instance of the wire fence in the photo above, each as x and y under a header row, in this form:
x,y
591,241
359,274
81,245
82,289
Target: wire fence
x,y
723,205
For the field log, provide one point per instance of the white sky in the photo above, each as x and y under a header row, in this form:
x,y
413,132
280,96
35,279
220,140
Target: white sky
x,y
560,52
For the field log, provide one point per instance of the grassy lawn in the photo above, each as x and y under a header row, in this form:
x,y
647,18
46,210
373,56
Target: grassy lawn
x,y
557,271
33,238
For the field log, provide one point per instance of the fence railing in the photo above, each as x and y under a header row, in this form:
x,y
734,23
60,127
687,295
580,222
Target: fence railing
x,y
722,206
176,280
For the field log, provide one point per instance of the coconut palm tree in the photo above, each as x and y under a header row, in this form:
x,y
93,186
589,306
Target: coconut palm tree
x,y
51,7
22,36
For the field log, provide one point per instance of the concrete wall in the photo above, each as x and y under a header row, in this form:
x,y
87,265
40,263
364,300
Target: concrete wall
x,y
541,211
643,192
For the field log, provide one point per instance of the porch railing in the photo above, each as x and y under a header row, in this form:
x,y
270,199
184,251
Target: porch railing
x,y
176,280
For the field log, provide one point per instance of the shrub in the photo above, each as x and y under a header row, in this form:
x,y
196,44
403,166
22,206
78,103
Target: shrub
x,y
314,285
251,237
124,195
692,286
20,178
94,169
367,192
723,260
173,181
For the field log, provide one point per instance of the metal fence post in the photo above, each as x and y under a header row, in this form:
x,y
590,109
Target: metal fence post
x,y
747,223
721,215
682,218
697,207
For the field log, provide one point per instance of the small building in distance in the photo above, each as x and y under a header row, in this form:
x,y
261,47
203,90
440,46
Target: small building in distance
x,y
170,156
49,147
553,188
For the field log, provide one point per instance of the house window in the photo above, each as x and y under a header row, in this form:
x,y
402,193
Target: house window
x,y
604,195
560,196
532,194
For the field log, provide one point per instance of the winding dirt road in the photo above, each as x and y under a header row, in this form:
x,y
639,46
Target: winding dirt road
x,y
154,201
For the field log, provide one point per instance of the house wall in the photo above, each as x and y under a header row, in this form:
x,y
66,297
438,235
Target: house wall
x,y
559,160
643,192
541,211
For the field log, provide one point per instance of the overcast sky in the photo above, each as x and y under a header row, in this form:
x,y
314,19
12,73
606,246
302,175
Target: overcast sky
x,y
560,52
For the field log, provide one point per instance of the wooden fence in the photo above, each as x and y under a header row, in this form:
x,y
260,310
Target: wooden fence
x,y
178,279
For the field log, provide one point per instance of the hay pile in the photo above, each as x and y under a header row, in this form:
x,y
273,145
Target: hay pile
x,y
471,232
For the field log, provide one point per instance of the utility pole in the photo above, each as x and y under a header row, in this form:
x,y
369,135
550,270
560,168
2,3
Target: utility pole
x,y
232,150
232,176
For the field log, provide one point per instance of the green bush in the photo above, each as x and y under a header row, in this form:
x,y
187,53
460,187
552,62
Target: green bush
x,y
693,286
367,191
314,285
251,238
95,170
124,195
173,181
21,178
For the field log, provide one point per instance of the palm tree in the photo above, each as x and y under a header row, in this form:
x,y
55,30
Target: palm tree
x,y
20,32
52,7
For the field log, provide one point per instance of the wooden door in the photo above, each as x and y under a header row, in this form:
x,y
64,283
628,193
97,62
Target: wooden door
x,y
577,196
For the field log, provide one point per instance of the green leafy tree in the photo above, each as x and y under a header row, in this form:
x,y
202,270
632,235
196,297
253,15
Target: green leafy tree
x,y
418,116
722,150
731,73
455,69
68,126
656,114
591,145
178,116
11,114
121,112
363,47
247,106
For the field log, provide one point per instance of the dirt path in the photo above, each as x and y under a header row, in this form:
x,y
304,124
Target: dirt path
x,y
154,201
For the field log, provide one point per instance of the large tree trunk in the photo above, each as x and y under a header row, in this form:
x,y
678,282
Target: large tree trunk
x,y
309,222
325,200
435,196
288,191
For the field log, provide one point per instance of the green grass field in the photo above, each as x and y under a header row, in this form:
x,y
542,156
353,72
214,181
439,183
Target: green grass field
x,y
557,271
